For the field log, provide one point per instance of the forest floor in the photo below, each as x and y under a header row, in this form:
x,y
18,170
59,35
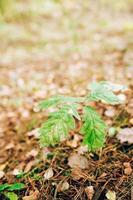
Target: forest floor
x,y
61,50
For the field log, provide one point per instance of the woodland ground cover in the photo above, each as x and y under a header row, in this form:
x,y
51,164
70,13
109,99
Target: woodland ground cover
x,y
59,48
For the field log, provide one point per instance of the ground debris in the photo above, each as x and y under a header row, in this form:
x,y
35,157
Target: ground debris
x,y
126,135
89,192
76,160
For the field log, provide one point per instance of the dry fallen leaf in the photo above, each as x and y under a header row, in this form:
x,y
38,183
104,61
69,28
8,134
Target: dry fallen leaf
x,y
10,146
49,173
128,169
32,153
131,193
131,121
45,152
74,143
33,196
29,166
89,192
34,132
111,195
76,160
126,135
82,149
2,167
63,186
16,172
102,175
77,173
2,173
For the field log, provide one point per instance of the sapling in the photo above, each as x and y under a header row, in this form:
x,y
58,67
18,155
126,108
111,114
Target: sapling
x,y
66,111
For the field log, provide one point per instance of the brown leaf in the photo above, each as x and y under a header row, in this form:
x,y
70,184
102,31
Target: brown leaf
x,y
102,175
131,121
10,146
77,173
32,153
45,152
33,196
2,173
2,167
128,169
89,192
82,149
16,172
63,186
75,142
76,160
49,173
29,166
34,132
126,135
131,193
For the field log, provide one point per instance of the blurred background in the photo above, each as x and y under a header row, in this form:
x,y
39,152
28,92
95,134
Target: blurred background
x,y
58,46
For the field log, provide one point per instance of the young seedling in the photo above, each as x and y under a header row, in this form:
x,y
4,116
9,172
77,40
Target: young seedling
x,y
61,121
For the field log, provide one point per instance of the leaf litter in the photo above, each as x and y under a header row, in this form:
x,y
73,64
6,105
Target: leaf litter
x,y
62,62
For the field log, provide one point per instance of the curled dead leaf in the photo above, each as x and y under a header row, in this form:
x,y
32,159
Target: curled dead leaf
x,y
126,135
76,160
75,142
3,166
2,173
131,121
34,132
82,149
128,169
103,175
63,186
45,152
16,172
29,166
49,173
32,196
77,173
10,146
32,153
89,192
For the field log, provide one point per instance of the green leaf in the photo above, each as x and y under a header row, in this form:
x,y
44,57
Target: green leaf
x,y
56,127
4,186
11,187
73,111
53,101
16,186
72,99
93,129
11,195
57,100
62,121
103,91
